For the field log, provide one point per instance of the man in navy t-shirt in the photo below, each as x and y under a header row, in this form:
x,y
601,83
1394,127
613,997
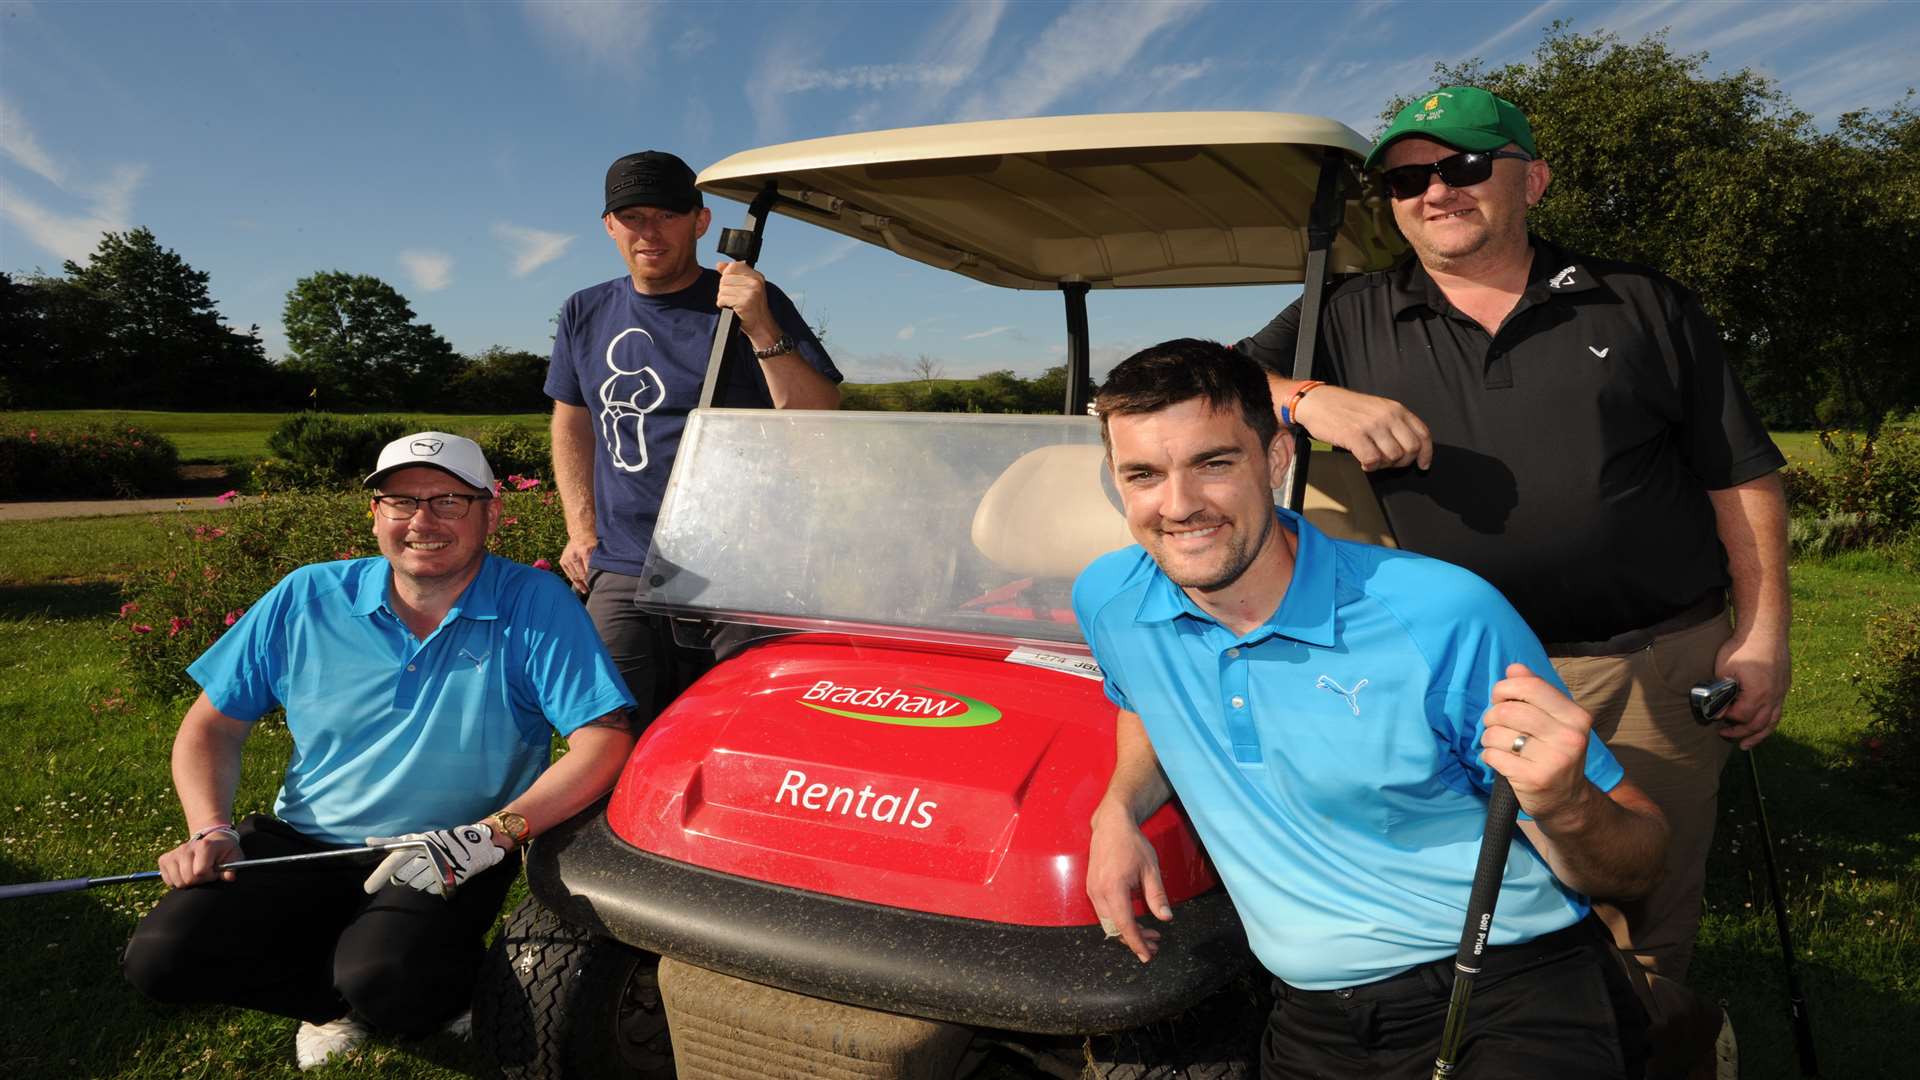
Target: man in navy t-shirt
x,y
628,363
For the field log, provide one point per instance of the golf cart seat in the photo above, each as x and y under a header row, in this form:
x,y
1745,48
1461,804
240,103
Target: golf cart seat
x,y
1341,503
1050,513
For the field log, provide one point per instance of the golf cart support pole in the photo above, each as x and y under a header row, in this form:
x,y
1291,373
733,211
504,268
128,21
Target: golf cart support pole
x,y
1079,348
1323,222
42,888
742,245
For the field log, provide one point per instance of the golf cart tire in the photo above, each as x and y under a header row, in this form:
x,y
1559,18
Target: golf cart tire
x,y
556,1002
1216,1040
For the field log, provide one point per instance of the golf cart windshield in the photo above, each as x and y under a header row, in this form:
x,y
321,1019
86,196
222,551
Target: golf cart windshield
x,y
937,526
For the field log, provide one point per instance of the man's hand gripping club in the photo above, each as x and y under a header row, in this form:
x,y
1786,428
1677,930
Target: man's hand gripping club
x,y
446,860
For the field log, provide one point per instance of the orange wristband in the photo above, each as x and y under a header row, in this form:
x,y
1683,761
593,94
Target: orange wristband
x,y
1293,403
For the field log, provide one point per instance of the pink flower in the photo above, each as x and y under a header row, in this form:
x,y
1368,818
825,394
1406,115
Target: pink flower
x,y
128,608
524,483
226,497
142,628
514,479
509,520
542,564
234,615
177,624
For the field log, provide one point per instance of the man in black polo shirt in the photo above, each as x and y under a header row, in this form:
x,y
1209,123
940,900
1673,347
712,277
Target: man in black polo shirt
x,y
1567,428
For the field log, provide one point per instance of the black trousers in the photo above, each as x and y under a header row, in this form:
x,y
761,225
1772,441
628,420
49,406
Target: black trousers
x,y
654,668
309,943
1559,1007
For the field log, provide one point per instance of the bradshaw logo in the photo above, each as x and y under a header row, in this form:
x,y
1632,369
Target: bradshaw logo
x,y
935,708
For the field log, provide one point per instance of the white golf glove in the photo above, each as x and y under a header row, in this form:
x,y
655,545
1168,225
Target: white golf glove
x,y
465,850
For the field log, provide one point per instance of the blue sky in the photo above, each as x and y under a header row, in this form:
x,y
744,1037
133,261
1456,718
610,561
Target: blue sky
x,y
457,150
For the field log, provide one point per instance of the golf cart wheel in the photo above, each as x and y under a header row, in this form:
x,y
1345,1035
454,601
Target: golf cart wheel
x,y
556,1002
1216,1040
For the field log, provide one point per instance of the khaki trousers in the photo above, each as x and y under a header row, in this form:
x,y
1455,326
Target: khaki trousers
x,y
1640,710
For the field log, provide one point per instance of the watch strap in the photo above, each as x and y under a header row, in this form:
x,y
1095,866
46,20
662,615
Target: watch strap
x,y
786,344
509,824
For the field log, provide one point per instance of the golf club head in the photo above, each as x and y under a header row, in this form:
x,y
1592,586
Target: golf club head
x,y
1711,698
442,869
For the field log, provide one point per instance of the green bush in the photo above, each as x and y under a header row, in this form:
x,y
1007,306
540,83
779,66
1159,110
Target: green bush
x,y
1861,490
319,444
516,451
1889,683
77,461
212,570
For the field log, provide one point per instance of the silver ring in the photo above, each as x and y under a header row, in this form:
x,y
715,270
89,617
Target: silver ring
x,y
1519,744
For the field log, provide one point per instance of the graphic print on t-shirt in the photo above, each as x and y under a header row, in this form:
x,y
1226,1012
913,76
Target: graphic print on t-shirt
x,y
629,394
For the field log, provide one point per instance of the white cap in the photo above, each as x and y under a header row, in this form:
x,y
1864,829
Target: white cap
x,y
436,450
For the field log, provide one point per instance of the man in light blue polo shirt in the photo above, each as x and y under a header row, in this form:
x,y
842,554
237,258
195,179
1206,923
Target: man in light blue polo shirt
x,y
421,691
1332,715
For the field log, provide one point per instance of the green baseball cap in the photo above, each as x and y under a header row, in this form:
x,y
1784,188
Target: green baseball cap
x,y
1463,117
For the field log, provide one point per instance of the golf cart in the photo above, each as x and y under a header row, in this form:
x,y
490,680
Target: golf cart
x,y
856,846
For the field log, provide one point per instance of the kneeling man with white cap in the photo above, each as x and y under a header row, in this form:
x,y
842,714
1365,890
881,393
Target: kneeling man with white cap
x,y
421,688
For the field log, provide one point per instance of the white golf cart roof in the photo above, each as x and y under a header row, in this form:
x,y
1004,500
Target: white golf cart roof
x,y
1124,200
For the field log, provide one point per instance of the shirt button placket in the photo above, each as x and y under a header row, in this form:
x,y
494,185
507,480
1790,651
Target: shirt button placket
x,y
1240,729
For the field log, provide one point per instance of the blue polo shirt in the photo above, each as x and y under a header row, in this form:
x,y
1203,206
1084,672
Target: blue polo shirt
x,y
392,734
1330,757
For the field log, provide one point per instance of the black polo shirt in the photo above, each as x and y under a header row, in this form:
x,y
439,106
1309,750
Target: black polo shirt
x,y
1573,449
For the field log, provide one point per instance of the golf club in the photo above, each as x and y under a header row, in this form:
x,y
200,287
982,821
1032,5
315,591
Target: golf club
x,y
1710,701
1502,808
41,888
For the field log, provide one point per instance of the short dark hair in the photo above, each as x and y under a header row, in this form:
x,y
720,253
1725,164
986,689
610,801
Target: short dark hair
x,y
1161,376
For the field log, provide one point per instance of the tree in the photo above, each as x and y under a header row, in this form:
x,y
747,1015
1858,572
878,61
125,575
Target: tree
x,y
502,380
134,326
1785,233
353,337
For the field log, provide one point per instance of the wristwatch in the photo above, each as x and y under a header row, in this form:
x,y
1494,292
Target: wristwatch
x,y
786,344
510,824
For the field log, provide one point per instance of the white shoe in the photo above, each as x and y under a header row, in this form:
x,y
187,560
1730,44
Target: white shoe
x,y
316,1044
1726,1049
461,1027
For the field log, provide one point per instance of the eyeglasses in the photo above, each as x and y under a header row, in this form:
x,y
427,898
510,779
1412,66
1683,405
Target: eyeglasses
x,y
1458,171
449,507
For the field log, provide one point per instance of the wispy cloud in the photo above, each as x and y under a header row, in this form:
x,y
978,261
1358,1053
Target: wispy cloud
x,y
532,248
958,44
1087,43
604,29
871,77
17,141
430,270
693,40
1870,75
63,233
826,258
1529,24
990,332
906,332
1779,22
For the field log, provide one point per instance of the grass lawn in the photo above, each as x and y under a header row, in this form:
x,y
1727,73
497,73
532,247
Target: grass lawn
x,y
87,792
240,438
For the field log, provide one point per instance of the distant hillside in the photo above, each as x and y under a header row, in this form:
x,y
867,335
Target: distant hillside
x,y
994,392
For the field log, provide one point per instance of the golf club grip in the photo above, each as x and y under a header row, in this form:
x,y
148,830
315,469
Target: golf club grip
x,y
1502,808
41,888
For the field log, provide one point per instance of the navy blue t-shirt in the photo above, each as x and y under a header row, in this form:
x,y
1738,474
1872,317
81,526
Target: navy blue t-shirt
x,y
637,363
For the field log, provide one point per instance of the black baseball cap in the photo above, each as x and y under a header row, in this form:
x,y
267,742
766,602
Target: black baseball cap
x,y
651,178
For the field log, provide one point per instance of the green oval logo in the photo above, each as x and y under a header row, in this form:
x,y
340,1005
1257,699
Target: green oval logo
x,y
909,710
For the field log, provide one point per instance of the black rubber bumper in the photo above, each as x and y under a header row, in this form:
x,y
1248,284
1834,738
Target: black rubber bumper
x,y
1040,979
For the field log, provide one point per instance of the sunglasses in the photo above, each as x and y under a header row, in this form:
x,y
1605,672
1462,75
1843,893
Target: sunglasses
x,y
1461,170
